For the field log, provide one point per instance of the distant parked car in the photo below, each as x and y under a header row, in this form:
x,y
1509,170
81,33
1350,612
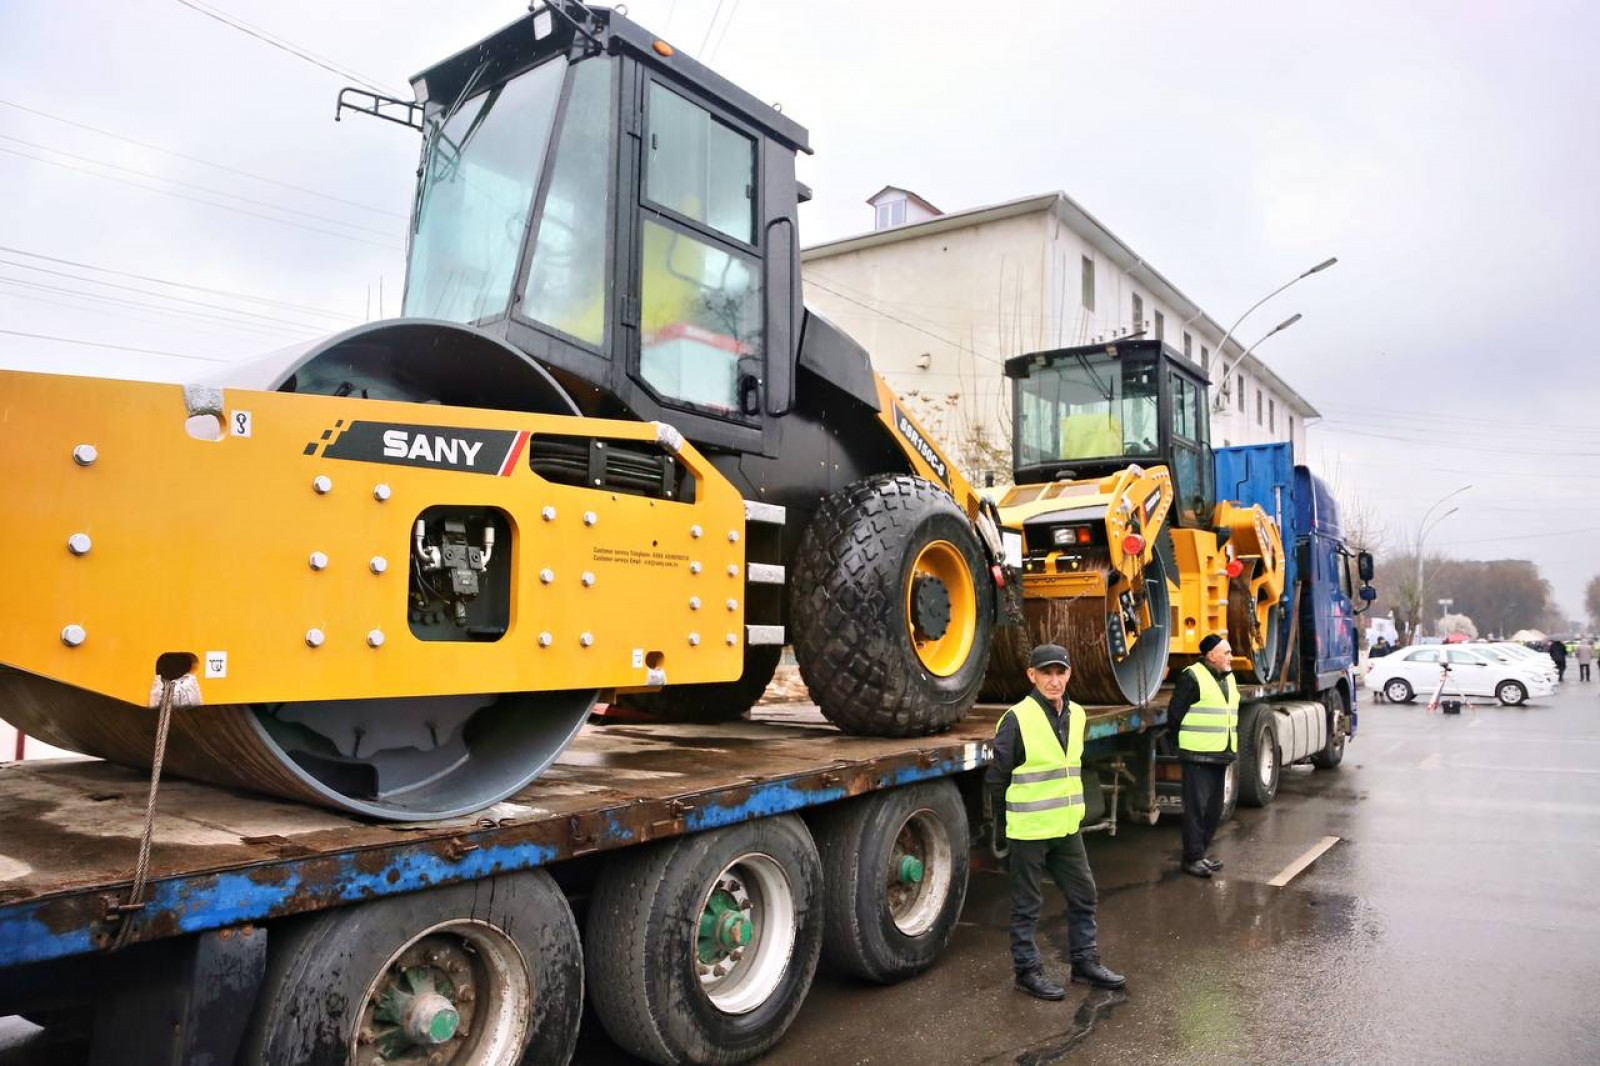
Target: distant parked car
x,y
1473,672
1523,654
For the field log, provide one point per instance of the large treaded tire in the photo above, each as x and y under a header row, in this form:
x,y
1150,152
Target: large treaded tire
x,y
723,701
848,616
1332,753
1258,734
319,968
858,843
641,939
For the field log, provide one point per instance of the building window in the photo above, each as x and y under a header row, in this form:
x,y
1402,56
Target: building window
x,y
1205,358
1260,398
1188,345
1161,325
1291,428
1272,415
1088,283
1239,383
1138,312
891,213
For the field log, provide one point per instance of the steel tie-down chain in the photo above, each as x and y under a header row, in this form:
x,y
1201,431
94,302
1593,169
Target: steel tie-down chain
x,y
141,870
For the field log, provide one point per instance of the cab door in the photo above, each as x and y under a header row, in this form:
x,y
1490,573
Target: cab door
x,y
697,340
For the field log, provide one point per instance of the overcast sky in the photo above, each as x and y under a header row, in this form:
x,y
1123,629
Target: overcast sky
x,y
1446,153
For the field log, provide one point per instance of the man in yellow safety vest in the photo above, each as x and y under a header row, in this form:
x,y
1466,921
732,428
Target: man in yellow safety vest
x,y
1035,783
1204,714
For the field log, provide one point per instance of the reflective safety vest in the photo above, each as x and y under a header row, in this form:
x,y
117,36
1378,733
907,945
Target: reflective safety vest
x,y
1045,797
1212,721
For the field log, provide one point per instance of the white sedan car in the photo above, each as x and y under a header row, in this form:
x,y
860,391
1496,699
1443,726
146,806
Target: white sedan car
x,y
1536,659
1411,672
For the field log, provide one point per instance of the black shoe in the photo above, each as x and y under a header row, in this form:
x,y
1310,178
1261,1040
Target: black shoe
x,y
1037,985
1094,972
1198,868
1215,864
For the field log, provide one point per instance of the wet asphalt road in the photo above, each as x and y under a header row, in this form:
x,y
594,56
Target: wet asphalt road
x,y
1456,920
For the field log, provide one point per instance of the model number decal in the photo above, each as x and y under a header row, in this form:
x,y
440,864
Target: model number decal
x,y
909,431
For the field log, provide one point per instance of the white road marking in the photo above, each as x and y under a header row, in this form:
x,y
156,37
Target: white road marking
x,y
1431,762
1474,722
1290,872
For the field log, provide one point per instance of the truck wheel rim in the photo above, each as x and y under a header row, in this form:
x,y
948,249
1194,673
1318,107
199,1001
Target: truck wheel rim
x,y
942,651
741,962
918,875
457,993
1266,761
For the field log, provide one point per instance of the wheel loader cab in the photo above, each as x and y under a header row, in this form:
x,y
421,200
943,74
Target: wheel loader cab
x,y
1086,412
621,214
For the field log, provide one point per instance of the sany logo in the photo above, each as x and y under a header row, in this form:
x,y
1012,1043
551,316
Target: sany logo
x,y
398,444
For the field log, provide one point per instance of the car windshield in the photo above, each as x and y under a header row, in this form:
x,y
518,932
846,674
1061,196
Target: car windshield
x,y
482,166
1087,407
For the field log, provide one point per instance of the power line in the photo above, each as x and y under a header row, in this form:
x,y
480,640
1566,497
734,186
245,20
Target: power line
x,y
909,325
283,44
175,311
709,27
114,347
198,200
78,306
723,36
179,284
202,161
1455,446
198,188
307,326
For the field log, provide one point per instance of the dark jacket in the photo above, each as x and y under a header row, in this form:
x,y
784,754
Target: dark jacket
x,y
1185,691
1558,652
1008,750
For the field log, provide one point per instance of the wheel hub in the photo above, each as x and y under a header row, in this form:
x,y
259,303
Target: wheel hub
x,y
910,870
930,607
425,1001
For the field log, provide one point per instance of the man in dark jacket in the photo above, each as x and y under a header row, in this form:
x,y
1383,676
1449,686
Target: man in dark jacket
x,y
1035,783
1204,716
1558,652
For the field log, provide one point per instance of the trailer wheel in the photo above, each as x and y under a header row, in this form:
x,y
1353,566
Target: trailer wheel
x,y
892,608
701,949
1259,768
724,701
1332,753
475,974
894,879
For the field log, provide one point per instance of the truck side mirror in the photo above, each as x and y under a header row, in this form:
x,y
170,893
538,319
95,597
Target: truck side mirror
x,y
1364,565
1368,593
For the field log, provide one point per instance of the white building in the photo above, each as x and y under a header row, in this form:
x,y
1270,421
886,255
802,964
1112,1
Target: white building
x,y
942,300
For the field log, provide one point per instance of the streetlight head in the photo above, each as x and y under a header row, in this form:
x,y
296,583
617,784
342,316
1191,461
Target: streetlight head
x,y
1286,323
1324,265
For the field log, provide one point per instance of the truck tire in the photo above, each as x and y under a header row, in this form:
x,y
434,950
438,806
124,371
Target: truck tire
x,y
894,879
1230,792
502,952
892,608
1260,764
1332,753
664,919
724,701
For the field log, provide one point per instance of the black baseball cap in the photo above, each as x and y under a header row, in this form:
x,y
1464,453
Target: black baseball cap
x,y
1048,655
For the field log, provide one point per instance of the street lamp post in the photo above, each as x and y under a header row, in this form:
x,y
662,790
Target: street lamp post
x,y
1217,401
1423,529
1222,349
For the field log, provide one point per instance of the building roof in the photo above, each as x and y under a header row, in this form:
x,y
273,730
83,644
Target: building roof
x,y
1080,221
874,198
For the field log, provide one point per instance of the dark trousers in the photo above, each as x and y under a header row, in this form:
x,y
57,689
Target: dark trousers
x,y
1561,671
1068,865
1583,671
1202,806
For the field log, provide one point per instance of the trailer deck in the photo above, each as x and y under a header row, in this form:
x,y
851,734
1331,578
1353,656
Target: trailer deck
x,y
223,858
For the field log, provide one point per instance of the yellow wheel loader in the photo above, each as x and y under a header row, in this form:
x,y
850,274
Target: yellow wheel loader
x,y
605,452
1129,559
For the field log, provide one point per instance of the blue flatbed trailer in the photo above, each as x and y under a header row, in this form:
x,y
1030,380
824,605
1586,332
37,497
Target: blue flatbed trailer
x,y
228,870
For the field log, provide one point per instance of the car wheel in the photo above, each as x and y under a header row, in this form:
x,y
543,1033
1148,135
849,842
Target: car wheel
x,y
1511,693
1398,690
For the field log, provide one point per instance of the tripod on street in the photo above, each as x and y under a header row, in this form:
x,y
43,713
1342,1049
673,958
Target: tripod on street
x,y
1445,680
